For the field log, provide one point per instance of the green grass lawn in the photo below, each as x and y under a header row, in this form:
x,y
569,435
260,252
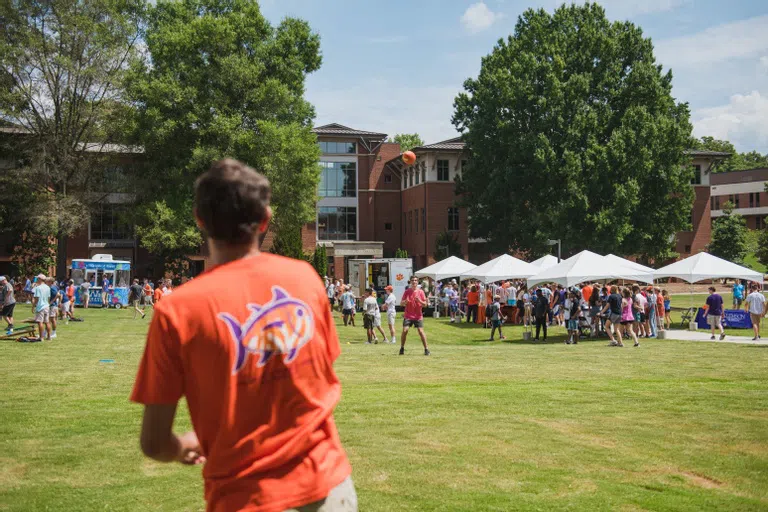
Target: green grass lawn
x,y
476,426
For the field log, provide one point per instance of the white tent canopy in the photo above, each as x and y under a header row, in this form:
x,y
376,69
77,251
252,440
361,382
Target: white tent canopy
x,y
702,266
588,266
545,262
629,264
501,268
447,268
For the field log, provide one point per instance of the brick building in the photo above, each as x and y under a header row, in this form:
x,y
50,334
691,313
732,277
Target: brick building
x,y
370,204
745,190
696,240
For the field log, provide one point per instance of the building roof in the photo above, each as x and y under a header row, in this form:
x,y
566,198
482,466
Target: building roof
x,y
454,144
703,152
341,130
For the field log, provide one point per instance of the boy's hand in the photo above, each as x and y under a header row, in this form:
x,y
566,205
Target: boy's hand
x,y
189,450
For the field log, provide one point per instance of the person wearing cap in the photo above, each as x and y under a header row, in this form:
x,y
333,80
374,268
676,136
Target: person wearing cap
x,y
53,305
389,304
8,303
41,297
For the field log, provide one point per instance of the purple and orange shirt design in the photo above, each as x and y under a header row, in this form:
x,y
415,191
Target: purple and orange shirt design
x,y
281,326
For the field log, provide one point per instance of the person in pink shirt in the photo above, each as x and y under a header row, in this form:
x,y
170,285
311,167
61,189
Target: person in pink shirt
x,y
414,301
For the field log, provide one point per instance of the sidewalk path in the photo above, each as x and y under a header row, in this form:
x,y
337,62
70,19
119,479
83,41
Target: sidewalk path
x,y
705,335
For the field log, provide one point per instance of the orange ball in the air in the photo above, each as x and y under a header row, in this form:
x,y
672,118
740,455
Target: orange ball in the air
x,y
409,157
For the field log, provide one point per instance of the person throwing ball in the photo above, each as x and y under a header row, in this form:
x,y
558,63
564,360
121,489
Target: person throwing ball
x,y
254,362
414,301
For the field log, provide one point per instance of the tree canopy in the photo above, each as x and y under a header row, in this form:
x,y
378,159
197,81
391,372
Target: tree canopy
x,y
62,69
729,236
573,133
219,80
737,161
407,141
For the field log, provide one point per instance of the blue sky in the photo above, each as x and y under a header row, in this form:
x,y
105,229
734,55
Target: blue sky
x,y
396,66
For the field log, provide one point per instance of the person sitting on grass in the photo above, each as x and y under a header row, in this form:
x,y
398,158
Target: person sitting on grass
x,y
496,318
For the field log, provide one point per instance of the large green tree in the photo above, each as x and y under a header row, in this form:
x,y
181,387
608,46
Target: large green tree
x,y
737,161
220,81
407,141
62,68
573,134
729,236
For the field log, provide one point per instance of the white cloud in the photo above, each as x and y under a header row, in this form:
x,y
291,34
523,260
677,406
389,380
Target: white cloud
x,y
479,17
388,107
744,38
743,121
764,62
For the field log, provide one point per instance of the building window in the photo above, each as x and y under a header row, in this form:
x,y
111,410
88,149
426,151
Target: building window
x,y
410,220
712,203
717,202
107,222
757,199
751,200
736,203
387,226
387,178
696,180
423,175
410,179
416,224
423,220
338,148
337,223
687,249
453,219
405,181
338,179
442,170
759,223
417,173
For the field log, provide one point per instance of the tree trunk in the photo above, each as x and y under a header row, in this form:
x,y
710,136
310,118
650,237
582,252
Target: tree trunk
x,y
61,256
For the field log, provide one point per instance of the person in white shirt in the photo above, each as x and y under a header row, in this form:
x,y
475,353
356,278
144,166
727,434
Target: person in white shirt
x,y
369,313
331,292
377,321
390,303
755,304
348,306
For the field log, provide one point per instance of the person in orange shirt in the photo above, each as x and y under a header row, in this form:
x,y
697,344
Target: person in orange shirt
x,y
158,293
473,299
254,361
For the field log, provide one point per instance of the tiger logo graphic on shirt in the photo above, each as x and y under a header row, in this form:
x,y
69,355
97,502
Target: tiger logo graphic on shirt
x,y
281,326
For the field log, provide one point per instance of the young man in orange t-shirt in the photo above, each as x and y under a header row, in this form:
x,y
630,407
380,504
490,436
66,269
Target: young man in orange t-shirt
x,y
254,361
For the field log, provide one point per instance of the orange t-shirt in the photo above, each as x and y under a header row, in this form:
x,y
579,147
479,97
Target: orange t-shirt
x,y
255,363
147,290
473,298
158,294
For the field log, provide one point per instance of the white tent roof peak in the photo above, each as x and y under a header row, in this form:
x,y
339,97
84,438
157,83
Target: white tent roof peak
x,y
629,263
545,262
588,266
702,266
449,267
501,268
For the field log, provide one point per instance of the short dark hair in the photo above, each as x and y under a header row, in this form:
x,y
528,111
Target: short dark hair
x,y
231,201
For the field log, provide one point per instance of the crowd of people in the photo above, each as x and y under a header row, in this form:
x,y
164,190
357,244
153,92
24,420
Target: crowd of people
x,y
590,309
53,300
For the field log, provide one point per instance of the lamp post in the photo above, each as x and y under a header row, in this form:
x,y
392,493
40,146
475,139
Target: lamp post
x,y
555,242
